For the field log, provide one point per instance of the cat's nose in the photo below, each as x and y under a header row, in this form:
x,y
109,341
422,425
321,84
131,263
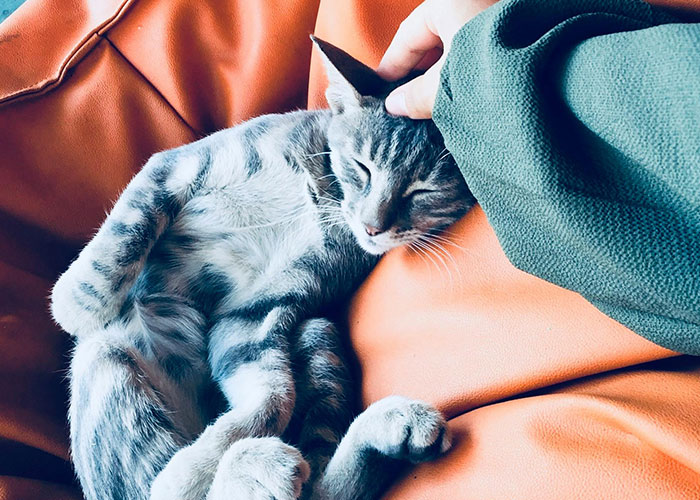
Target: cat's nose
x,y
372,230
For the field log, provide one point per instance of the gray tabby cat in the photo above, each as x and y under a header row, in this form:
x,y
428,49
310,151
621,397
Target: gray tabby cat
x,y
225,260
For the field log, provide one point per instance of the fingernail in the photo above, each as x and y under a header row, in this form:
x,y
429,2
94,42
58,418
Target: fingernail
x,y
395,103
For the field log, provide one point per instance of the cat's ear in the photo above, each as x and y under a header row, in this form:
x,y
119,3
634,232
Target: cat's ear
x,y
348,79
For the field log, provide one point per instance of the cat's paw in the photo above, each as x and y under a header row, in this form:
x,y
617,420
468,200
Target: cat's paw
x,y
260,469
405,429
67,310
76,303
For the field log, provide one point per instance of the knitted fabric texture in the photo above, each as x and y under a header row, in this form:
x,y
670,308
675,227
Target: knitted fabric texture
x,y
577,127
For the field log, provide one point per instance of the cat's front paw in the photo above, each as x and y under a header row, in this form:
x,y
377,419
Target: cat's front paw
x,y
68,308
260,469
405,429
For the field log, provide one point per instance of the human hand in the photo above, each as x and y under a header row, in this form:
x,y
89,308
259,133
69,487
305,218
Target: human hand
x,y
423,41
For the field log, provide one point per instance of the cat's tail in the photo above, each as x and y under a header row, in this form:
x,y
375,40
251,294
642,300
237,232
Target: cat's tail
x,y
136,393
91,293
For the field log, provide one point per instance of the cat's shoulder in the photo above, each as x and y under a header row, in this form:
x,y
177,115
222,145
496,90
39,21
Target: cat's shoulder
x,y
273,124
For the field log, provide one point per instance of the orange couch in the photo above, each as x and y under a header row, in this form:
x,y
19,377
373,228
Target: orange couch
x,y
548,398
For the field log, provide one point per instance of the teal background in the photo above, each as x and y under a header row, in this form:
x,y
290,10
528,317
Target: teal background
x,y
7,7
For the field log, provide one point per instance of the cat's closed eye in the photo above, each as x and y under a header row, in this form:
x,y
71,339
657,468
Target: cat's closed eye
x,y
418,192
364,169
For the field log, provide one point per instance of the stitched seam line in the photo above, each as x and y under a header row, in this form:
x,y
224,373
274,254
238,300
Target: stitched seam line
x,y
153,87
71,60
77,54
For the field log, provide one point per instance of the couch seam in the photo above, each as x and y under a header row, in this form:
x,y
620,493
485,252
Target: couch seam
x,y
552,387
78,54
152,86
74,56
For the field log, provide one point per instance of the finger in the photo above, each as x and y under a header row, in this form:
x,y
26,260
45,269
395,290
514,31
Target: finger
x,y
430,58
416,98
414,38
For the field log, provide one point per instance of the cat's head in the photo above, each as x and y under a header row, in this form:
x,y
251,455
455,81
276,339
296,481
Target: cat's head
x,y
399,183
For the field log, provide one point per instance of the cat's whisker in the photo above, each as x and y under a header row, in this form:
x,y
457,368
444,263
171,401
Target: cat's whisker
x,y
421,245
457,269
325,177
443,262
335,224
437,240
444,240
430,255
418,252
322,153
328,207
443,232
443,154
336,212
330,212
331,199
444,251
329,195
434,243
448,241
431,248
331,219
336,180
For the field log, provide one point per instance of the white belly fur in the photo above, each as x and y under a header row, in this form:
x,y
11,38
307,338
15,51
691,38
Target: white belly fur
x,y
250,230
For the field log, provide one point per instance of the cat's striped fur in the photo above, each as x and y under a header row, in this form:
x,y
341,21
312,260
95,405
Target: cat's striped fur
x,y
202,309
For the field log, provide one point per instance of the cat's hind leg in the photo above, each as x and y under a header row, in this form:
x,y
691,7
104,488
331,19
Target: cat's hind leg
x,y
133,405
324,407
248,354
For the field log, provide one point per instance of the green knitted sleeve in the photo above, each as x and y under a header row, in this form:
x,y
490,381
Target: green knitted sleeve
x,y
576,125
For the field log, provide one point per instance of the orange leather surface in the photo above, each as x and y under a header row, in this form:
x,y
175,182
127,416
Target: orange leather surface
x,y
629,435
45,38
89,89
224,62
465,328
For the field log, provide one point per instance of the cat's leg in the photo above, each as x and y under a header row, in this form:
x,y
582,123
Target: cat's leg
x,y
387,435
248,354
377,444
134,404
324,406
92,291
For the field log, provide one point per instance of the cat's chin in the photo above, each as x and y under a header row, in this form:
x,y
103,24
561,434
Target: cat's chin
x,y
372,247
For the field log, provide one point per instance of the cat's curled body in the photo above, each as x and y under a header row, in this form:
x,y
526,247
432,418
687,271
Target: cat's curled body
x,y
222,261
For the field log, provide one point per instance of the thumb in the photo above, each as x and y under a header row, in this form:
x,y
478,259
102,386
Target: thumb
x,y
416,98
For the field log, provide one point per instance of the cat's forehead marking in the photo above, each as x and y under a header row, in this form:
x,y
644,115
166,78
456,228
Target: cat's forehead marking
x,y
365,155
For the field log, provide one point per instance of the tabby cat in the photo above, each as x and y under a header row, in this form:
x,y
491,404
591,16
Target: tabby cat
x,y
202,309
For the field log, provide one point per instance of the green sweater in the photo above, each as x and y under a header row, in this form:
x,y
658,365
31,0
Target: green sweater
x,y
577,127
